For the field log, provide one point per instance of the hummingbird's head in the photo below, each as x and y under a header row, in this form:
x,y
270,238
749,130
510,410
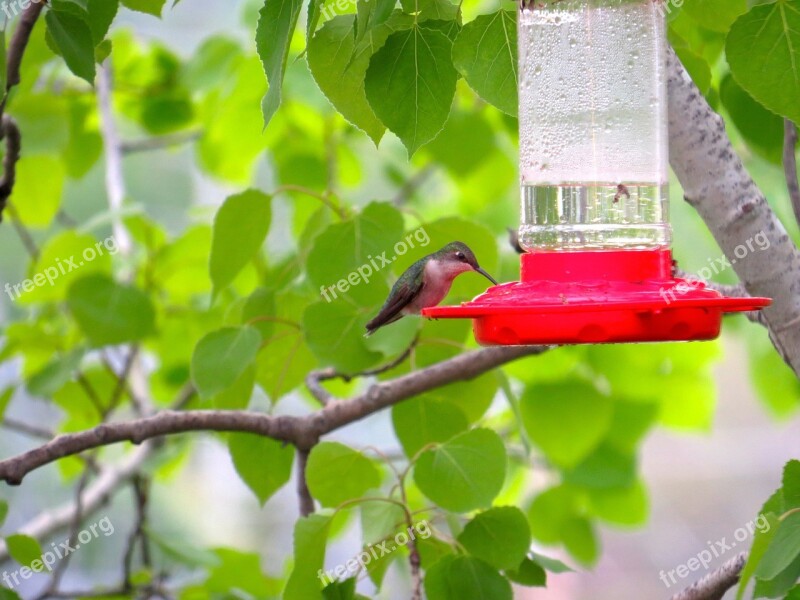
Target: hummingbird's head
x,y
458,257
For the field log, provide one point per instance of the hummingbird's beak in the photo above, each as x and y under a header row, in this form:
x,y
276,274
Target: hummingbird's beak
x,y
485,274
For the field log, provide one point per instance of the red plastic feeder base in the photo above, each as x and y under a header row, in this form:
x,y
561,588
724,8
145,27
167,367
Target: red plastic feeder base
x,y
596,297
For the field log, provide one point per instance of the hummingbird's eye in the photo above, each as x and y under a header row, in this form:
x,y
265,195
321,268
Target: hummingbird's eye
x,y
460,256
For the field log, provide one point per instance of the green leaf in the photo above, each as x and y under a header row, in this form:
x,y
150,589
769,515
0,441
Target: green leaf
x,y
151,7
340,74
580,540
110,313
455,146
783,549
310,538
716,15
74,39
349,259
763,50
101,15
3,511
553,565
460,577
794,593
780,584
238,395
276,22
627,506
379,520
341,590
604,468
421,421
240,228
791,485
370,15
499,536
23,549
630,423
410,84
528,573
566,420
52,377
464,473
336,473
335,333
42,195
485,53
762,129
762,537
775,382
59,260
240,571
550,510
222,356
427,10
264,464
695,64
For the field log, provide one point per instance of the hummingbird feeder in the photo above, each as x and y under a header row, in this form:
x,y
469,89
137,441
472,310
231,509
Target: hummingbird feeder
x,y
595,227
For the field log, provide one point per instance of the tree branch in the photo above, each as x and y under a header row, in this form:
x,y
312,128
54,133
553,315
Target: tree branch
x,y
303,431
19,42
714,585
790,165
10,132
716,183
8,127
303,493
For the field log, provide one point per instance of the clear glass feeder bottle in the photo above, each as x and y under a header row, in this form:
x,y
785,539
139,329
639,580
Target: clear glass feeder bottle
x,y
593,125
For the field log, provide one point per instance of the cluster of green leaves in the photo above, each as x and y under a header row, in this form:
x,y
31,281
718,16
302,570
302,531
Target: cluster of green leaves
x,y
744,56
774,560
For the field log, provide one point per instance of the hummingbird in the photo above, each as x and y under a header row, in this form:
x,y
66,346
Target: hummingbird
x,y
426,283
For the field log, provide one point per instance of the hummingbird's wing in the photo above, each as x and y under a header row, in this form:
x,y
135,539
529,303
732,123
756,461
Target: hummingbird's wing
x,y
402,294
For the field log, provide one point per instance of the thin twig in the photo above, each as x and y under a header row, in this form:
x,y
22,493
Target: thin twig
x,y
790,165
412,185
24,235
26,429
122,380
61,567
160,142
91,393
138,533
327,201
315,378
112,147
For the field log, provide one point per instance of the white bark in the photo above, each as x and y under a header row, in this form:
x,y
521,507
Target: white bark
x,y
716,183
